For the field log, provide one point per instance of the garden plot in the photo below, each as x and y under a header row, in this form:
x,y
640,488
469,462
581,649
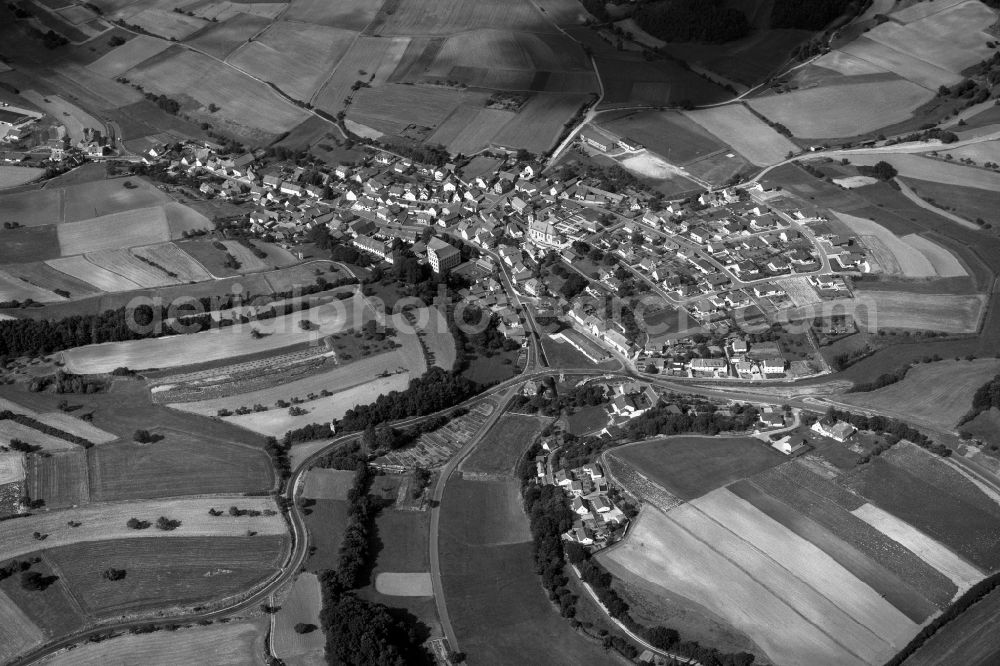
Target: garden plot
x,y
18,633
249,262
101,522
843,110
78,267
735,125
15,289
435,448
404,584
960,572
800,291
296,57
143,226
175,260
123,58
11,467
791,624
302,606
221,343
130,267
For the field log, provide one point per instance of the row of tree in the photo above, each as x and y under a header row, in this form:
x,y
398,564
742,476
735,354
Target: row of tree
x,y
34,424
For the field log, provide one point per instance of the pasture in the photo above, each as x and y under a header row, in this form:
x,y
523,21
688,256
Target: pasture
x,y
178,465
293,56
690,466
898,496
79,268
17,632
444,18
302,605
369,58
218,343
944,475
142,226
970,639
328,484
175,260
539,122
968,202
232,644
165,572
496,603
60,479
937,171
501,449
326,521
222,38
53,609
102,522
123,58
735,125
938,393
843,110
29,244
15,289
13,176
249,262
400,105
476,133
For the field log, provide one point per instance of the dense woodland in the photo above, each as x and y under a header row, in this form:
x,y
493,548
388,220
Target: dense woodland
x,y
709,21
985,398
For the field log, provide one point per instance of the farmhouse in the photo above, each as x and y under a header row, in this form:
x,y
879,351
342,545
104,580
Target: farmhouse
x,y
838,430
790,444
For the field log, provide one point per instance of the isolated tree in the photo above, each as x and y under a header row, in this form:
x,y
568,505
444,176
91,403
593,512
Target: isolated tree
x,y
167,524
304,628
113,574
136,524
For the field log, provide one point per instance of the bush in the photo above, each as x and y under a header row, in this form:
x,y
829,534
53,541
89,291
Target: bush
x,y
167,524
136,524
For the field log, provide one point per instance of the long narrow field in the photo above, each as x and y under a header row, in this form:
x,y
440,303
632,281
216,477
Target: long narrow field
x,y
60,480
98,278
100,522
302,606
932,392
130,267
233,644
735,125
118,61
61,421
142,226
220,343
165,572
933,170
13,430
15,289
175,260
222,38
502,448
949,313
45,277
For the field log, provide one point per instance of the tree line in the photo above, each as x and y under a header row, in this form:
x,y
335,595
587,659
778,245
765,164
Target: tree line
x,y
894,430
985,398
35,424
710,21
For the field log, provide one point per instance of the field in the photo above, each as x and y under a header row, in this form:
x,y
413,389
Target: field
x,y
538,124
102,522
53,610
735,125
938,171
938,393
475,133
394,106
969,639
668,133
368,57
496,603
60,480
11,176
167,572
100,278
327,484
142,226
233,644
404,584
325,520
11,467
351,15
691,466
222,38
130,267
294,56
29,244
944,474
15,289
899,496
128,55
247,105
217,344
957,313
816,615
169,25
968,202
301,606
17,632
449,17
501,449
13,430
175,260
911,256
178,465
76,203
249,262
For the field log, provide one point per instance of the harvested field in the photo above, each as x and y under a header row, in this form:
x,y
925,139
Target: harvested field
x,y
933,170
249,262
101,522
690,466
844,110
11,467
78,267
241,100
174,26
328,484
29,244
693,557
842,62
301,606
165,572
12,176
963,574
668,133
61,479
351,14
404,584
220,343
128,55
735,125
175,260
143,226
502,448
943,474
950,313
478,132
15,289
494,598
221,39
233,644
945,264
897,492
296,57
969,639
809,564
176,466
369,56
18,633
938,393
130,267
799,491
539,122
403,105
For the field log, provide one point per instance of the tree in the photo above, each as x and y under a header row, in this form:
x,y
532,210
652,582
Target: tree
x,y
304,628
882,170
35,581
136,524
167,524
113,574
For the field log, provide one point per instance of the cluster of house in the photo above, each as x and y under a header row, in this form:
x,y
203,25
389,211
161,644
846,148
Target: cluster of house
x,y
597,520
